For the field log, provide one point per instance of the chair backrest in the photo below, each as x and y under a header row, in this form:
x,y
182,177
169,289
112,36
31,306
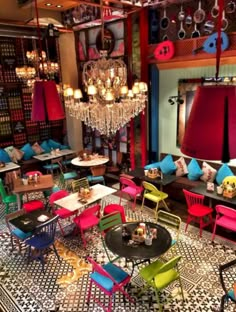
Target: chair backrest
x,y
3,192
226,211
48,228
169,265
109,220
99,269
77,184
149,187
169,220
33,173
193,198
57,160
13,215
98,170
127,182
57,195
94,210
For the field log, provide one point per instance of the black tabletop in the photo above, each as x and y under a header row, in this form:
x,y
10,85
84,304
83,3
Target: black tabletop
x,y
139,173
201,188
29,221
120,246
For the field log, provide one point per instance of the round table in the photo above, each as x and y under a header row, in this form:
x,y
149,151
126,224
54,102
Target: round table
x,y
119,246
89,163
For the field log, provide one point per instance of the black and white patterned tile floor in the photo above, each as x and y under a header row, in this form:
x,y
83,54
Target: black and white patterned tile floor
x,y
24,288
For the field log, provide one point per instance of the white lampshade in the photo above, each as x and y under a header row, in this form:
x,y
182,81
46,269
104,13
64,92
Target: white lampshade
x,y
92,90
124,90
78,94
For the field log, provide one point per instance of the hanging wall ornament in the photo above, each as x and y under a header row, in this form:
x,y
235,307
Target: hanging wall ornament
x,y
165,21
199,15
188,18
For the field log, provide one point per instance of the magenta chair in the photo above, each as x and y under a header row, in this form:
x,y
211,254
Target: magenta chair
x,y
87,219
62,213
109,278
129,187
113,208
225,217
197,211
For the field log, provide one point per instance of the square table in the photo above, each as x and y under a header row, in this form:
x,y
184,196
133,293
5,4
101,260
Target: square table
x,y
72,203
201,188
44,183
9,167
29,222
49,156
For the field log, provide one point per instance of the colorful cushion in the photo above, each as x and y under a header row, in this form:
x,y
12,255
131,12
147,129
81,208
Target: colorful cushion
x,y
44,145
28,151
181,167
37,148
167,165
194,170
4,157
53,144
17,154
222,173
209,173
153,165
9,150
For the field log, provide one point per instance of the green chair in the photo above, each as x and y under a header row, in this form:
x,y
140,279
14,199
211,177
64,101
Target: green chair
x,y
80,183
7,199
159,275
154,195
106,222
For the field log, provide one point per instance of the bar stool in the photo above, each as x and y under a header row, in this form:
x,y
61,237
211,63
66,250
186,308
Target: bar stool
x,y
115,207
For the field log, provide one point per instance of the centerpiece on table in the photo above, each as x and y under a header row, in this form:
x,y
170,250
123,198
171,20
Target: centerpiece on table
x,y
154,173
85,193
229,187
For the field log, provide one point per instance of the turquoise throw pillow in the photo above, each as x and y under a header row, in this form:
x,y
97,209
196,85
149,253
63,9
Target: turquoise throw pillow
x,y
63,147
45,147
53,144
222,173
28,151
194,170
167,165
4,157
154,165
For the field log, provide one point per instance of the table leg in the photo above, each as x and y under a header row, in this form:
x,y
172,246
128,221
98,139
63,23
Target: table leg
x,y
19,205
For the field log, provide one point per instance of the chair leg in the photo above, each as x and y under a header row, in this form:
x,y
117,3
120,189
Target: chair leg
x,y
201,226
142,203
158,300
7,208
61,228
55,250
187,222
214,233
156,209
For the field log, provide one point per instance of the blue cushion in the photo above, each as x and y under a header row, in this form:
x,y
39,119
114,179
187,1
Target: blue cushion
x,y
95,179
102,280
4,157
167,165
153,165
194,170
222,173
117,273
53,144
28,151
45,147
21,234
62,147
231,294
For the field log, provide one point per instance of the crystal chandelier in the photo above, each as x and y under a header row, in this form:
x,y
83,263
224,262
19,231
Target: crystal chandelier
x,y
45,66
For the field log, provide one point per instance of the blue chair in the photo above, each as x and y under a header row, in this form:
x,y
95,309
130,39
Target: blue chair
x,y
43,239
97,174
54,165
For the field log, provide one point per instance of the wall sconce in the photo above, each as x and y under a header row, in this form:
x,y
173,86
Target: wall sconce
x,y
176,99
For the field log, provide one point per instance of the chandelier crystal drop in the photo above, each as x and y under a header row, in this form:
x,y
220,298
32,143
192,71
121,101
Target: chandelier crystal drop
x,y
111,105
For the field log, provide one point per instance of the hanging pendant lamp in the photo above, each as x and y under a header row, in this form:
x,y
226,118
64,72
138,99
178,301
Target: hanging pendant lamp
x,y
211,130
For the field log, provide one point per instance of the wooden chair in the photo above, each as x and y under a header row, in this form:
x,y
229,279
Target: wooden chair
x,y
77,184
54,165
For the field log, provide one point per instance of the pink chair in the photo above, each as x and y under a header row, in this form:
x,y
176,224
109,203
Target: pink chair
x,y
225,217
109,278
197,211
127,186
115,207
87,219
32,205
63,213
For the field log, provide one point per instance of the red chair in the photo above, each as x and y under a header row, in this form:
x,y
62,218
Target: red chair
x,y
63,213
87,219
129,187
115,207
32,205
109,278
197,211
226,218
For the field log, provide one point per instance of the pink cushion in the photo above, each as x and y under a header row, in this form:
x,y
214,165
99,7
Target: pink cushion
x,y
132,191
85,222
64,213
199,210
33,205
115,207
227,222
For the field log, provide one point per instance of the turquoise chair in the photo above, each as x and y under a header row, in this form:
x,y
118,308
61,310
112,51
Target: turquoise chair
x,y
97,174
7,199
159,275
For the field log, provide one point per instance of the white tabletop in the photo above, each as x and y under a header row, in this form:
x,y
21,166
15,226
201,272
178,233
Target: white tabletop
x,y
60,153
89,163
71,202
9,166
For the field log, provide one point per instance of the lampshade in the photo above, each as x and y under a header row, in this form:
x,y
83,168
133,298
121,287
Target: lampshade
x,y
211,128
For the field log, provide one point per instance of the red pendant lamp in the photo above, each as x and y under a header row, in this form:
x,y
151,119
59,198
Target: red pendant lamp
x,y
46,103
211,130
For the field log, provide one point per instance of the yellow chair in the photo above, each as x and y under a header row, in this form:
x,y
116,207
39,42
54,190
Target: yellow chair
x,y
172,223
153,194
